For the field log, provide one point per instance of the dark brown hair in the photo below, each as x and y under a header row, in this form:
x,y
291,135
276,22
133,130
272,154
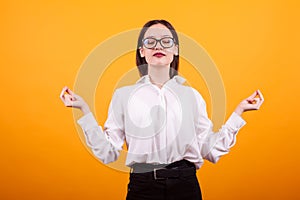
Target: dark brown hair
x,y
141,61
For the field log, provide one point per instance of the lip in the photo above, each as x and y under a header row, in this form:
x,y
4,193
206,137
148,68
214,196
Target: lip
x,y
159,54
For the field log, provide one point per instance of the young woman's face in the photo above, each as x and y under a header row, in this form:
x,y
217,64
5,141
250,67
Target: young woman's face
x,y
163,52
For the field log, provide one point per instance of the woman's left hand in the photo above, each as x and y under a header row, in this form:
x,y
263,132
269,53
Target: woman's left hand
x,y
253,102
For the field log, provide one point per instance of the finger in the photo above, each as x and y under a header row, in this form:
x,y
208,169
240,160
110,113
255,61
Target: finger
x,y
252,95
70,103
62,93
260,103
260,95
252,101
70,92
67,99
257,99
73,95
261,99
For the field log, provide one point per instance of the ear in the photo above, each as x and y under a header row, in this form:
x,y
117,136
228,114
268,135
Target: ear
x,y
142,52
176,50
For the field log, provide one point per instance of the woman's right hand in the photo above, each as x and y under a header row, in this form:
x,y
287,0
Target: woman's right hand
x,y
70,99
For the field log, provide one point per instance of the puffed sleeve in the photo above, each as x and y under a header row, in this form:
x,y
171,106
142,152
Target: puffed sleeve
x,y
213,145
105,143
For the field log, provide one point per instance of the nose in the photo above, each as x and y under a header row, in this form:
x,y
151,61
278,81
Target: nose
x,y
158,46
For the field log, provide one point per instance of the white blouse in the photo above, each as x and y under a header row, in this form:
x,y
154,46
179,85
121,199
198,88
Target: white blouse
x,y
159,126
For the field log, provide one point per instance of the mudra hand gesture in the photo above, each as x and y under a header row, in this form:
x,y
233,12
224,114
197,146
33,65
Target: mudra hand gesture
x,y
70,99
253,102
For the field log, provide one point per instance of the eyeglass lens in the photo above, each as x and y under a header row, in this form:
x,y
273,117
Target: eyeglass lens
x,y
166,42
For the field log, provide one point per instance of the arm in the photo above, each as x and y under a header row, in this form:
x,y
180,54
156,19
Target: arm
x,y
104,143
214,145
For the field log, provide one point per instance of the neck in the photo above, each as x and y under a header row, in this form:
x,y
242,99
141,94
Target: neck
x,y
159,74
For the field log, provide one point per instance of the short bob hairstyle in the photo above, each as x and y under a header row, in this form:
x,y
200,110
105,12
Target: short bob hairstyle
x,y
141,62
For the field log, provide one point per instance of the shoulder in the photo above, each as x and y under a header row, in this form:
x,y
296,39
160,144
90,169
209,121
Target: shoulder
x,y
195,94
124,92
181,82
124,89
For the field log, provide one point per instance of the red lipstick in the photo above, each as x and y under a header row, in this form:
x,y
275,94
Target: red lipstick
x,y
159,54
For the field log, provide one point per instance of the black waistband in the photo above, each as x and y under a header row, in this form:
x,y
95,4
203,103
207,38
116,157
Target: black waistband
x,y
145,167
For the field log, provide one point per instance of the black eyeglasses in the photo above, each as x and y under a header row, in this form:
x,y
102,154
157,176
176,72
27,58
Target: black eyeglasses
x,y
165,42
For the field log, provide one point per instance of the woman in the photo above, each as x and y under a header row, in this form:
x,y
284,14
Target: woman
x,y
164,123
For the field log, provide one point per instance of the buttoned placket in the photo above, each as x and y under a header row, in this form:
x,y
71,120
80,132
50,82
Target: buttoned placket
x,y
161,95
162,102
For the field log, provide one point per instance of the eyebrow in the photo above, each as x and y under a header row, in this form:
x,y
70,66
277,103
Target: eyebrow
x,y
152,36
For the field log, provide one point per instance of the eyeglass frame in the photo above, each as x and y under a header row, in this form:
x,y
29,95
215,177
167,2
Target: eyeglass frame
x,y
158,40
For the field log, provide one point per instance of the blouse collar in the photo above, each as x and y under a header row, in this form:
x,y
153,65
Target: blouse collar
x,y
146,79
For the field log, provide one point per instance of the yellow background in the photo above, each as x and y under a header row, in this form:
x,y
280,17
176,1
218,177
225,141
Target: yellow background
x,y
255,45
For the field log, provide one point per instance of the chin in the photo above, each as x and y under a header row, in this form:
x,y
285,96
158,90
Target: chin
x,y
160,64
